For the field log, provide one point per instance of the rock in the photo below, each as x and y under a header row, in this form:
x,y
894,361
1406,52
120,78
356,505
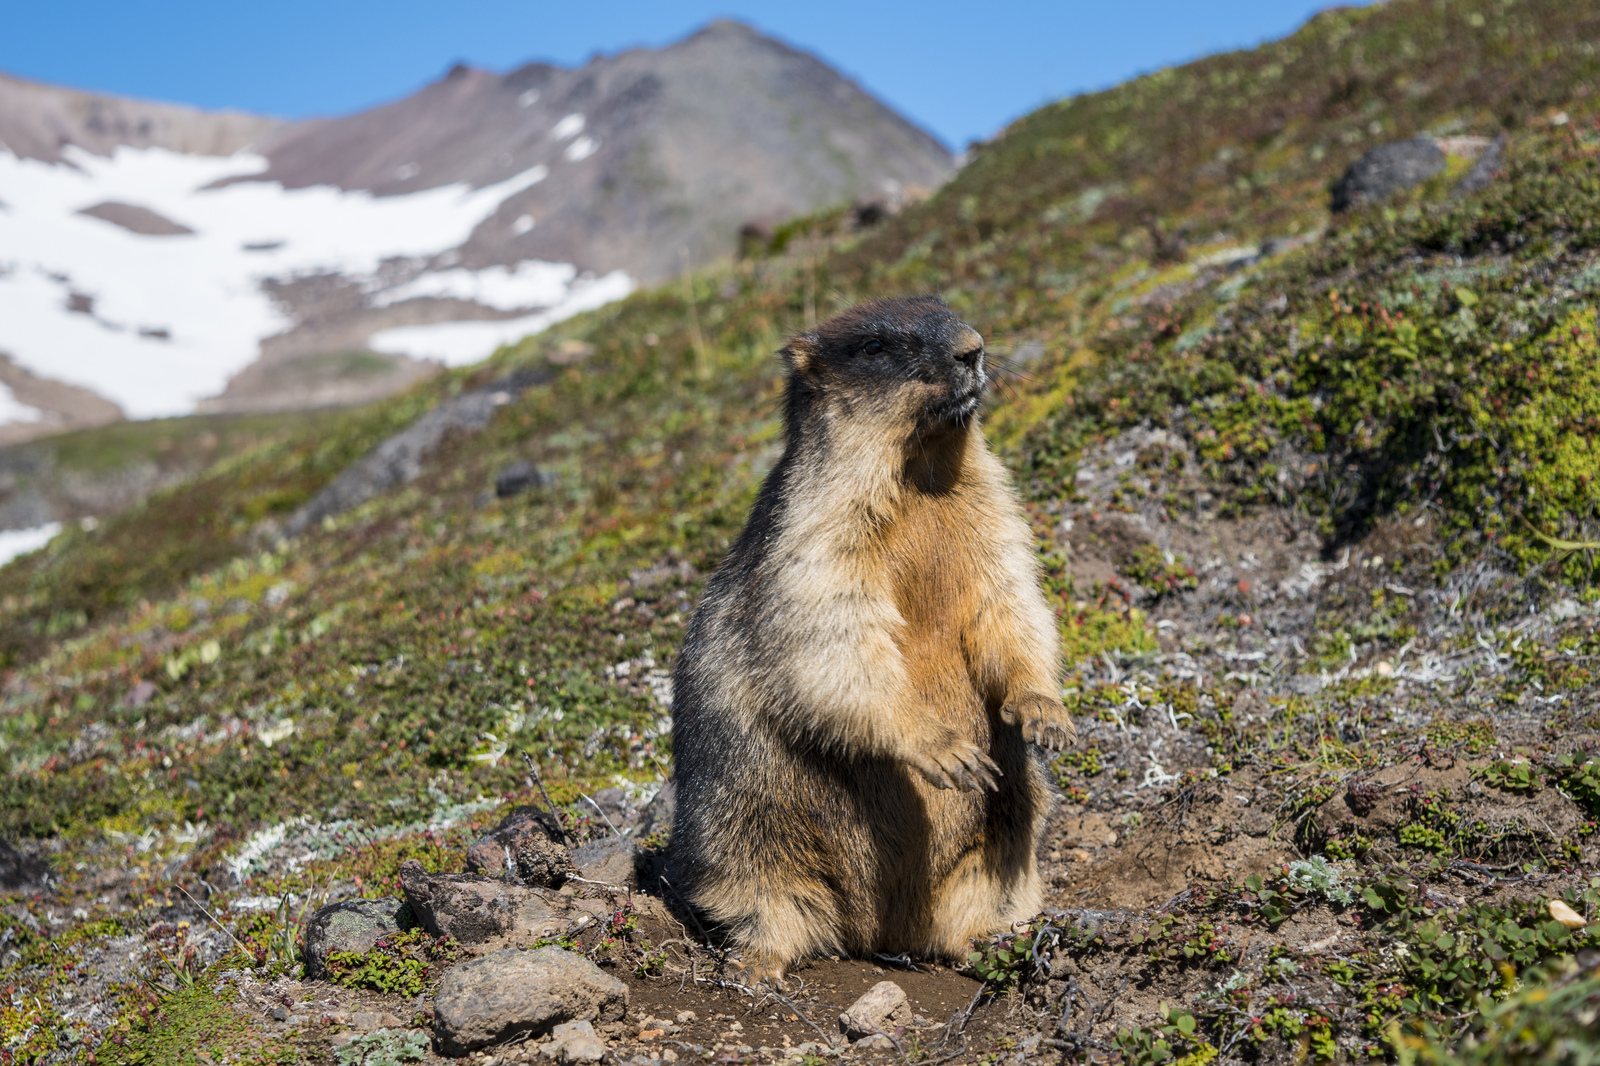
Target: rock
x,y
574,1042
400,458
1387,170
611,860
487,914
1566,915
614,805
528,844
881,1009
519,478
657,814
1484,170
352,925
513,993
808,1048
878,1042
19,873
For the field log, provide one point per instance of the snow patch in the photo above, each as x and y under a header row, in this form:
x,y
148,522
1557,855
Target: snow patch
x,y
463,343
531,283
15,542
582,148
13,410
570,126
172,321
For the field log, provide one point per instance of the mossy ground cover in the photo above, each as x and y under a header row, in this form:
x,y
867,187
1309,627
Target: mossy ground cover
x,y
1333,606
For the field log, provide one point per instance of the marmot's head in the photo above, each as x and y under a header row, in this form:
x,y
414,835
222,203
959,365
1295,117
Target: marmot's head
x,y
906,361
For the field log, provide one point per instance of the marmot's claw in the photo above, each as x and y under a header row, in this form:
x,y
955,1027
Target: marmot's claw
x,y
932,774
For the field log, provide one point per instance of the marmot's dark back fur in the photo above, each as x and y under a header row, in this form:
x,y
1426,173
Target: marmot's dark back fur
x,y
855,697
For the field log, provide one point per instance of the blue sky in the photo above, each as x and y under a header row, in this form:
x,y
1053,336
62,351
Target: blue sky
x,y
961,70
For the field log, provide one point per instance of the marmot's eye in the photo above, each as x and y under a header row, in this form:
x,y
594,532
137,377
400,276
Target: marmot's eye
x,y
871,348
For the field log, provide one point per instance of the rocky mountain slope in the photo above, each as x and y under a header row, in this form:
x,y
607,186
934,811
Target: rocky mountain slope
x,y
164,259
1314,498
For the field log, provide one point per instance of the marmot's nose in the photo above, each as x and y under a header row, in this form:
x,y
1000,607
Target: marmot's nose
x,y
968,346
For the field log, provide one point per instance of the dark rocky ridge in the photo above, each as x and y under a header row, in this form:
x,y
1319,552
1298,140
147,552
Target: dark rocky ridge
x,y
693,140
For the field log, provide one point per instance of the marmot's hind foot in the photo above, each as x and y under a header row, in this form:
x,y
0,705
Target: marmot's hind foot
x,y
763,970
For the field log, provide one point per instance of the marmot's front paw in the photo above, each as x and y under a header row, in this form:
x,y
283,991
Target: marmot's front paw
x,y
1043,719
955,762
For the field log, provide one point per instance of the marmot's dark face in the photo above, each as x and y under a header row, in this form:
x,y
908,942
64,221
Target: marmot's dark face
x,y
909,354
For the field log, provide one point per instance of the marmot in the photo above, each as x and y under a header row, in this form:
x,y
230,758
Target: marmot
x,y
857,691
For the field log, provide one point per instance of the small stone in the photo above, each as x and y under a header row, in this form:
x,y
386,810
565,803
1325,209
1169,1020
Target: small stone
x,y
511,993
519,478
352,925
875,1043
342,1039
668,1055
280,1013
882,1008
687,1016
1566,915
1385,668
574,1042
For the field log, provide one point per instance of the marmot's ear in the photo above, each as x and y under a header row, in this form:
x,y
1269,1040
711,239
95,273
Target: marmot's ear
x,y
799,352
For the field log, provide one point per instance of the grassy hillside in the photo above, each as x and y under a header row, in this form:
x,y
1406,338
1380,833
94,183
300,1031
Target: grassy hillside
x,y
1209,378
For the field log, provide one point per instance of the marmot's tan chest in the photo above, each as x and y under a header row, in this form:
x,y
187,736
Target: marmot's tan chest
x,y
934,555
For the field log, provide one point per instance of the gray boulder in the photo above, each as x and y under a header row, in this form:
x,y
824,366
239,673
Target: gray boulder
x,y
400,458
352,925
487,914
1483,172
1387,170
488,1001
611,860
658,813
